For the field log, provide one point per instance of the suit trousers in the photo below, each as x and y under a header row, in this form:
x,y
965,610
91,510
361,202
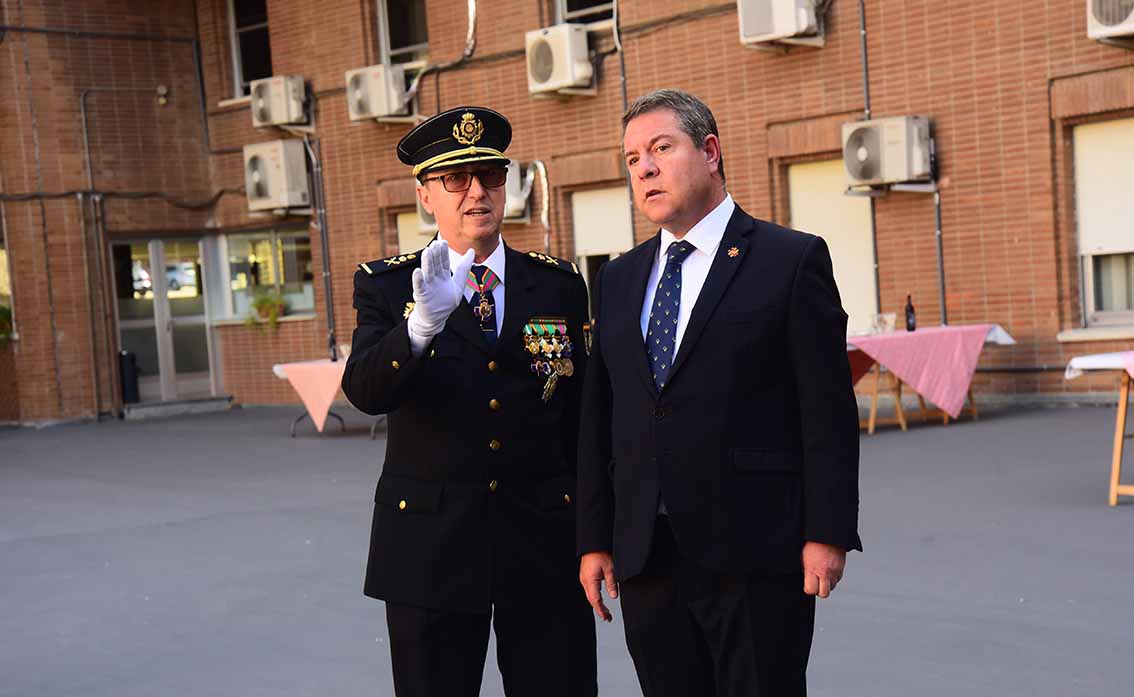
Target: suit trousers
x,y
540,650
691,631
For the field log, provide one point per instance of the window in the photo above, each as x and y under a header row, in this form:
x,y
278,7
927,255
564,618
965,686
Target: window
x,y
1104,168
403,32
5,278
251,51
5,296
1114,282
269,262
585,11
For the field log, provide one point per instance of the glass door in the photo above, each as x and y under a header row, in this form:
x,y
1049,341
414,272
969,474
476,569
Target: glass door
x,y
162,317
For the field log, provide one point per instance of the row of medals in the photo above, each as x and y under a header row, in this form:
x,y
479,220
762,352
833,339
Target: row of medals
x,y
551,357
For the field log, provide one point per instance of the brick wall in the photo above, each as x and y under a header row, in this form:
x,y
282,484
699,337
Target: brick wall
x,y
1004,82
9,397
248,354
136,146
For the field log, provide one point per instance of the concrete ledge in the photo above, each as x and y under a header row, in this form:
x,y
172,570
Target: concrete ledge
x,y
157,410
1095,334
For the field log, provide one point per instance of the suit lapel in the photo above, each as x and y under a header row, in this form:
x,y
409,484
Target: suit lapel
x,y
730,254
635,298
518,296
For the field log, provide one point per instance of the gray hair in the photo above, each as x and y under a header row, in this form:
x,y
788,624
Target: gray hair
x,y
693,117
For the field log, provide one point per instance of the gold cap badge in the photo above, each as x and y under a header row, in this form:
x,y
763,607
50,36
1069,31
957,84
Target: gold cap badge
x,y
469,130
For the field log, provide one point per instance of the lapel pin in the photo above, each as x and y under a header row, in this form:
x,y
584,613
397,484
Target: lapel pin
x,y
734,252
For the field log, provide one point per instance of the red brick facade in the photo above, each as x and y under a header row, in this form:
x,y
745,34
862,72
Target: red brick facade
x,y
1004,82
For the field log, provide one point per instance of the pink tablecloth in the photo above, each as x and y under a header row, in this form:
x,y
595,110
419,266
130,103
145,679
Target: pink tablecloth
x,y
316,383
937,362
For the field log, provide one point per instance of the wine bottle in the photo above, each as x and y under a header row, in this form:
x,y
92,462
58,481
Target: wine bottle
x,y
911,318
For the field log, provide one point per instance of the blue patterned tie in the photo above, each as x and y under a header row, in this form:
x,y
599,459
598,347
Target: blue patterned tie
x,y
483,304
661,336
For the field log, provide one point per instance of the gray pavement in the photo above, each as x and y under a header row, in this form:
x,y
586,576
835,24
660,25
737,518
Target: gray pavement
x,y
213,555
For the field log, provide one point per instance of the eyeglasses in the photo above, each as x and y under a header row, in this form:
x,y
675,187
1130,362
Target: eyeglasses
x,y
456,182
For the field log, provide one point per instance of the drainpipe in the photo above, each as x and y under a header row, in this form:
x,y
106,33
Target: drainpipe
x,y
866,115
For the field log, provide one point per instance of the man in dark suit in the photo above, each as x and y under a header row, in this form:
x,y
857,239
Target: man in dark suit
x,y
718,456
476,352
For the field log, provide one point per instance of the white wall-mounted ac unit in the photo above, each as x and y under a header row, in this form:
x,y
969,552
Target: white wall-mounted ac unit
x,y
1110,19
557,58
425,220
376,91
785,21
886,151
517,192
275,175
278,101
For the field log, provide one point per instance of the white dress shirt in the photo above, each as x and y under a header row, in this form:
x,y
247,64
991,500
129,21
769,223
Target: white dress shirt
x,y
705,237
495,263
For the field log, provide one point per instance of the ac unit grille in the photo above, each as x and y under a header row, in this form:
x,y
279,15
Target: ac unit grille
x,y
1112,13
257,178
261,102
862,153
542,62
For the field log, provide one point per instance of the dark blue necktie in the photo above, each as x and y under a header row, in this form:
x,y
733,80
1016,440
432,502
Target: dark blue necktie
x,y
661,335
483,304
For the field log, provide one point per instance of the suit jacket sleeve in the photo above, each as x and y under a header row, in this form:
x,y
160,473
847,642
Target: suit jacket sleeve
x,y
829,412
595,492
371,381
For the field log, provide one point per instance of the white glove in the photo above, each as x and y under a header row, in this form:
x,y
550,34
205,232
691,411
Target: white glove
x,y
437,291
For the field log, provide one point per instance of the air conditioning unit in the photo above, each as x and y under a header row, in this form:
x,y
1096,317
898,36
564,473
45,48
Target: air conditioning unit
x,y
376,91
278,101
885,151
275,175
425,220
784,21
1110,19
517,191
558,58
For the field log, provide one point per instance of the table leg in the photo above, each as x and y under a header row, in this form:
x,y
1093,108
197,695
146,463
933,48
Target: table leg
x,y
972,406
924,409
1119,437
374,426
342,424
874,400
898,403
299,418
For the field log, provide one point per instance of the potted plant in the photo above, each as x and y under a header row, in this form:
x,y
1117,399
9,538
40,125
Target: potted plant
x,y
267,307
5,325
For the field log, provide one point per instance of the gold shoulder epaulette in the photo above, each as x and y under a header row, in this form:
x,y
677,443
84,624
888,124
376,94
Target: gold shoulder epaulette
x,y
561,264
373,268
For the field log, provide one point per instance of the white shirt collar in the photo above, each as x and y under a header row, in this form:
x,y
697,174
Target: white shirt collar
x,y
495,261
707,233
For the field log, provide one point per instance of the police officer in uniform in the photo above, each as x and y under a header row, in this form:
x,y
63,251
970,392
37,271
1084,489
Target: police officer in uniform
x,y
476,352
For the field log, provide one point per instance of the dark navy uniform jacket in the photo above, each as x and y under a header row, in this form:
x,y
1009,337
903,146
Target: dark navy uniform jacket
x,y
475,503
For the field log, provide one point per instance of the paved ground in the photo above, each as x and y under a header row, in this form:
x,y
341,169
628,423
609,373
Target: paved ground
x,y
212,555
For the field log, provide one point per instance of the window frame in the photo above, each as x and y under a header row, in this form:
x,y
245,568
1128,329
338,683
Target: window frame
x,y
275,237
563,15
238,83
382,18
1092,315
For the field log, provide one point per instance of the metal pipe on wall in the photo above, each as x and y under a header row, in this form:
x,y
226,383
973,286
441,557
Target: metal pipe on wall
x,y
867,113
96,378
320,204
940,255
